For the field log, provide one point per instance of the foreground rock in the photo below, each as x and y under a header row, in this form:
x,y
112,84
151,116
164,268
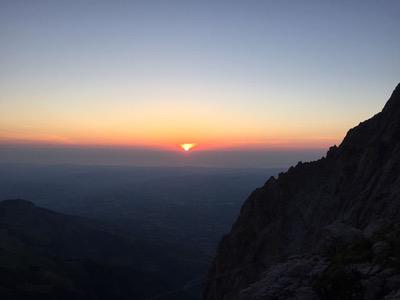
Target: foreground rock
x,y
322,230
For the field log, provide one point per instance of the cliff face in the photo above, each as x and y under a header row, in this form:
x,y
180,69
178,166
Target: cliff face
x,y
312,216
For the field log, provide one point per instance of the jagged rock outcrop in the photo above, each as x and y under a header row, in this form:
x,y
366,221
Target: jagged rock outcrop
x,y
300,233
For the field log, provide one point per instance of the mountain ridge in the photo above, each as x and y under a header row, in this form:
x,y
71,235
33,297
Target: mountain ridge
x,y
355,186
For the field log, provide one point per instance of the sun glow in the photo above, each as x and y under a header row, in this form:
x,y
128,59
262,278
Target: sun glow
x,y
188,146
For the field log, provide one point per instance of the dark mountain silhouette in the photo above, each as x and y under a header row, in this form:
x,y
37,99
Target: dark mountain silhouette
x,y
47,255
327,229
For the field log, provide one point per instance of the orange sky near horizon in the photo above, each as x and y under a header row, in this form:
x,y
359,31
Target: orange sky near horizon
x,y
215,118
168,139
158,122
162,123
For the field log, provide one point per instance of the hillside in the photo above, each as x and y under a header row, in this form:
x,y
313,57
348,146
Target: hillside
x,y
47,255
323,230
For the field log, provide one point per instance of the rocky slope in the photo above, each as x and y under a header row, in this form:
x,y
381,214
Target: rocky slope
x,y
322,230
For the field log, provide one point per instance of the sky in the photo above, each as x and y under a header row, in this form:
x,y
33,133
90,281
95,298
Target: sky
x,y
248,76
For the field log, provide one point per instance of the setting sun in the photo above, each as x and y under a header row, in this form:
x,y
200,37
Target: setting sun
x,y
188,146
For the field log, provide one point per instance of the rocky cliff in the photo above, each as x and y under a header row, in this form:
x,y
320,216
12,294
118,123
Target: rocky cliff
x,y
322,230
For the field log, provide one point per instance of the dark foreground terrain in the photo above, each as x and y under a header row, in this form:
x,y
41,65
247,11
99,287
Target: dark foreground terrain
x,y
47,255
142,233
328,229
